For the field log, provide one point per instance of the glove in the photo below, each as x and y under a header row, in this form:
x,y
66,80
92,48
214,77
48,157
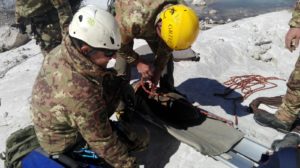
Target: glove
x,y
290,140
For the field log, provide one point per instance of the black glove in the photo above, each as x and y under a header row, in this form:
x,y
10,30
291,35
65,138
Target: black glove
x,y
290,140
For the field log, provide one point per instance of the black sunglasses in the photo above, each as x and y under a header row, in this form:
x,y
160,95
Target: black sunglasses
x,y
107,53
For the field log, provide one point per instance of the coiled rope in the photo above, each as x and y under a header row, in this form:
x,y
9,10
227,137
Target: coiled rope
x,y
248,84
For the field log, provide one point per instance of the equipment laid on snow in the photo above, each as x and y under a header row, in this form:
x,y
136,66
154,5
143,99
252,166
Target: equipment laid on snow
x,y
248,84
211,136
18,145
246,154
173,113
249,154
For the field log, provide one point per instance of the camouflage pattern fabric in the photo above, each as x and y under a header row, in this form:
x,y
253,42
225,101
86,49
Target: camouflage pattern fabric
x,y
295,21
136,20
68,101
290,108
18,145
49,19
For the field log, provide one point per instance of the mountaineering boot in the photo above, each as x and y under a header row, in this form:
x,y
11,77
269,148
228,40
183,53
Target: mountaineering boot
x,y
270,120
291,139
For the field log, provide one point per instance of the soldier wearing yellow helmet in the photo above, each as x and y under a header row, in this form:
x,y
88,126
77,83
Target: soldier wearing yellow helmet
x,y
166,25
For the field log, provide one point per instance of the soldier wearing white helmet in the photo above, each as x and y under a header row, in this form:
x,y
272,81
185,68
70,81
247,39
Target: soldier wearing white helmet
x,y
71,100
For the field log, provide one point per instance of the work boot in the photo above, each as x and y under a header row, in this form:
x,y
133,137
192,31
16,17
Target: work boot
x,y
290,140
270,120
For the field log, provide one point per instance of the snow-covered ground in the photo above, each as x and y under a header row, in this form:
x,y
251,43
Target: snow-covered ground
x,y
245,47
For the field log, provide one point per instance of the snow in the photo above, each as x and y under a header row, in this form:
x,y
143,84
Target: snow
x,y
249,46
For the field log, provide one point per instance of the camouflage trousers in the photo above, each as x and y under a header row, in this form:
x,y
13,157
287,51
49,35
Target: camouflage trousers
x,y
45,29
290,107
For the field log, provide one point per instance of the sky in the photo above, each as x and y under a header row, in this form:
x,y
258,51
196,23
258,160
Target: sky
x,y
251,46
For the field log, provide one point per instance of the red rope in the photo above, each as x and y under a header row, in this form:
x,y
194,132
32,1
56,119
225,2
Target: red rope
x,y
250,84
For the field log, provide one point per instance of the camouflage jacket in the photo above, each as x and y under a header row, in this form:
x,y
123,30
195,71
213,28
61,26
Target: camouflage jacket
x,y
26,9
136,19
295,21
68,102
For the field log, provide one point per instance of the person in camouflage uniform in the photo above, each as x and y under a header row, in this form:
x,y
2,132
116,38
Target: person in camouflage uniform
x,y
290,107
145,19
73,97
47,20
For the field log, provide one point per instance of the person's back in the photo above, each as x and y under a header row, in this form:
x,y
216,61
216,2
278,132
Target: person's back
x,y
137,18
63,82
69,98
148,20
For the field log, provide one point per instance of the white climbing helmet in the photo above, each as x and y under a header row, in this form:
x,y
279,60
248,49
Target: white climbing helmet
x,y
96,27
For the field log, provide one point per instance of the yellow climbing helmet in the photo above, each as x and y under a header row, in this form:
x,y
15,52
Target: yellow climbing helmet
x,y
179,26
